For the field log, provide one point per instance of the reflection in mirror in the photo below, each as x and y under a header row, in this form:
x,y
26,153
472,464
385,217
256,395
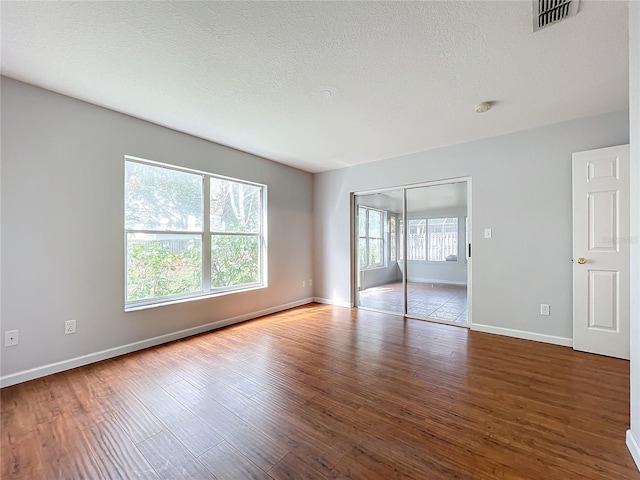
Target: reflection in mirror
x,y
436,263
379,277
435,284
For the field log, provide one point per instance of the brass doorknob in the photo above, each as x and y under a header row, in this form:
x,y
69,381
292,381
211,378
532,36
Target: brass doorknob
x,y
582,260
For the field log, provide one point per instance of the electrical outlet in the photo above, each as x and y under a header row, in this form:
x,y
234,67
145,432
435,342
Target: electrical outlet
x,y
310,282
10,338
69,327
304,283
544,309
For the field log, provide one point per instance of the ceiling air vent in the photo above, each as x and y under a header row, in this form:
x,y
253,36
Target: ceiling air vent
x,y
548,12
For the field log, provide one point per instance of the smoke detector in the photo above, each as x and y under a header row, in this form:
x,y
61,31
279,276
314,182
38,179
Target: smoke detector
x,y
483,107
548,12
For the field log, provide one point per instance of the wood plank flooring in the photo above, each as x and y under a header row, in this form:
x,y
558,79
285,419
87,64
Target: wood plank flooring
x,y
321,392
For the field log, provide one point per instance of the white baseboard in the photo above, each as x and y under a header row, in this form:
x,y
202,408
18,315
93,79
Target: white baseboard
x,y
436,281
57,367
633,447
326,301
538,337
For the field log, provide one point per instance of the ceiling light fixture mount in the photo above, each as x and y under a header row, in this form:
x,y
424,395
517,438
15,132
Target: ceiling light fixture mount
x,y
324,94
483,107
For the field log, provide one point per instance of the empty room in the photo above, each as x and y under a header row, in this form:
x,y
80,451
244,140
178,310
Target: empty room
x,y
320,240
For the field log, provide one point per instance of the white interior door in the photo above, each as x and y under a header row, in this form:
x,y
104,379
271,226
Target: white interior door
x,y
601,238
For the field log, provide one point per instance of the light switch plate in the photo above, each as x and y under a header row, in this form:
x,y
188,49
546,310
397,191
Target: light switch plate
x,y
487,233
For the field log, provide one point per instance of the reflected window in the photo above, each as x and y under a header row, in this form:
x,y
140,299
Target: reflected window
x,y
371,224
442,240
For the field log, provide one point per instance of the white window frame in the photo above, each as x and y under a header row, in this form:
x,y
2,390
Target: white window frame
x,y
367,237
206,235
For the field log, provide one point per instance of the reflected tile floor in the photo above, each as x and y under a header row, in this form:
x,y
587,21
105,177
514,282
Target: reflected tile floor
x,y
433,301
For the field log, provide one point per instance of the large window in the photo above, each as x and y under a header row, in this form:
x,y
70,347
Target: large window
x,y
443,239
189,233
433,239
371,237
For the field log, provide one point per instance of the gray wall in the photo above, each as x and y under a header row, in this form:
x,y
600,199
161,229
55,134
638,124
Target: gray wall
x,y
62,227
379,276
521,188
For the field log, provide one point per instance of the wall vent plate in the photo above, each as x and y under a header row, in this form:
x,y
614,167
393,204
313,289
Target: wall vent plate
x,y
548,12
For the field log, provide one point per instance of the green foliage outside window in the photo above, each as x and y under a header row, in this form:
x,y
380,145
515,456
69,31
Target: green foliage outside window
x,y
164,213
234,260
371,237
154,270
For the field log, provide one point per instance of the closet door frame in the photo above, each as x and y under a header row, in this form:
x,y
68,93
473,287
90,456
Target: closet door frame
x,y
404,188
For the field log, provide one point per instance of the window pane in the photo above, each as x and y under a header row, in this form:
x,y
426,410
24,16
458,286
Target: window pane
x,y
375,223
159,198
443,239
375,252
417,227
416,244
163,265
235,207
392,247
392,238
235,260
362,222
401,234
362,250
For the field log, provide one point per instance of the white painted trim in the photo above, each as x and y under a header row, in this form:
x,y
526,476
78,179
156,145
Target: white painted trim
x,y
326,301
468,257
442,181
633,447
57,367
537,337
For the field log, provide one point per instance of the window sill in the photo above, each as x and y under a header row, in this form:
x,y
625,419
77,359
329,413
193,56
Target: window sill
x,y
191,298
434,262
373,268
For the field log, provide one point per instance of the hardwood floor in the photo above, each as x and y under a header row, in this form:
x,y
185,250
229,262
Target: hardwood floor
x,y
322,392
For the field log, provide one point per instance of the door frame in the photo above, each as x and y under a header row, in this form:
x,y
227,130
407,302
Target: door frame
x,y
468,249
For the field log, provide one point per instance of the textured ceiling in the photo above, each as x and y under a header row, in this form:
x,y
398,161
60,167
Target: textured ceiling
x,y
404,76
